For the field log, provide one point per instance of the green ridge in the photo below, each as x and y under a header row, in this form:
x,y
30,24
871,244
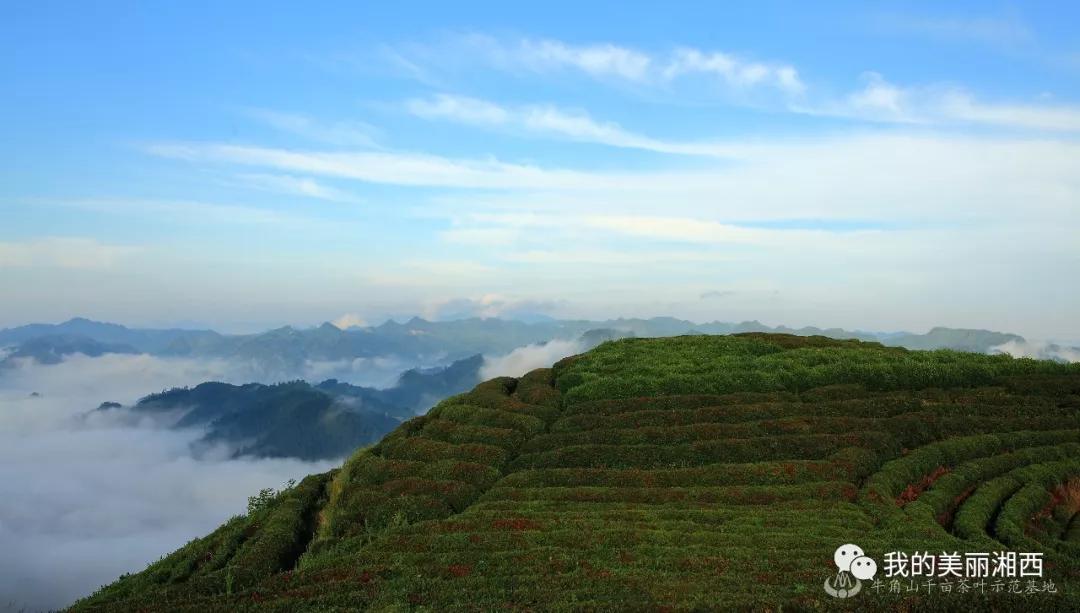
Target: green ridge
x,y
686,473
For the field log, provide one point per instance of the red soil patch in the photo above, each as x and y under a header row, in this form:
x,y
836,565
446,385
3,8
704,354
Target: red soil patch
x,y
515,525
946,518
460,570
914,490
1065,495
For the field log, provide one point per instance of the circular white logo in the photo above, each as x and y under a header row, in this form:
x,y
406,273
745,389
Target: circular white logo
x,y
853,567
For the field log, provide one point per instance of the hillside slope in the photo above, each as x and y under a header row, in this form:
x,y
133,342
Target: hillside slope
x,y
283,420
689,472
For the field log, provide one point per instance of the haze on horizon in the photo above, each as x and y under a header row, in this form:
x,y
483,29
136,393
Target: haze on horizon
x,y
244,166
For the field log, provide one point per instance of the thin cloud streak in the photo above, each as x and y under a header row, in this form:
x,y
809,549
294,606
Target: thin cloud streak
x,y
547,120
344,133
602,61
880,100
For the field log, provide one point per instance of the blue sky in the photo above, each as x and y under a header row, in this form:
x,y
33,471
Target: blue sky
x,y
883,166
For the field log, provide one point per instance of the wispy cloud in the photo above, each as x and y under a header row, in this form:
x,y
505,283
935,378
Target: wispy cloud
x,y
599,60
603,61
737,78
344,133
880,100
388,168
650,233
487,305
883,177
547,120
1061,118
733,71
294,185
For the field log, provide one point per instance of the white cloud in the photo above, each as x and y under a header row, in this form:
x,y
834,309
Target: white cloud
x,y
523,359
63,252
488,305
962,195
878,100
871,176
378,167
1039,350
882,101
344,133
733,71
551,121
962,107
299,186
602,61
598,60
85,500
349,320
458,108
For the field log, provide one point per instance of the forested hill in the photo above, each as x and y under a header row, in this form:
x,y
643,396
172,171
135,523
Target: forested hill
x,y
698,472
283,420
297,419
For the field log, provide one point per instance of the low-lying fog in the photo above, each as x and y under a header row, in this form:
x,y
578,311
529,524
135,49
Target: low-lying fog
x,y
83,500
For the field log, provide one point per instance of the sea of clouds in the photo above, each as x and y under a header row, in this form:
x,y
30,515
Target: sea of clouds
x,y
84,499
523,359
1041,350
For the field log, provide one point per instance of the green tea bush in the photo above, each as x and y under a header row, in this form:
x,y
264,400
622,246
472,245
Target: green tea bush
x,y
692,473
974,516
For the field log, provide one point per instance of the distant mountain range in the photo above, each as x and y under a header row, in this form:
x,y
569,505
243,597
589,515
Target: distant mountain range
x,y
52,348
329,419
285,353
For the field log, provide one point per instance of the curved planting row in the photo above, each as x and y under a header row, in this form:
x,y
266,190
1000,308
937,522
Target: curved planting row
x,y
978,514
669,434
940,501
437,464
1026,522
754,473
734,495
795,447
883,490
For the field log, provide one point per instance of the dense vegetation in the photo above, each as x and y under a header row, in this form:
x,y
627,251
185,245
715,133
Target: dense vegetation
x,y
686,473
284,420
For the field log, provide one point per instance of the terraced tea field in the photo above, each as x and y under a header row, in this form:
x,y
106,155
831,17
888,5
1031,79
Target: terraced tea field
x,y
670,474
